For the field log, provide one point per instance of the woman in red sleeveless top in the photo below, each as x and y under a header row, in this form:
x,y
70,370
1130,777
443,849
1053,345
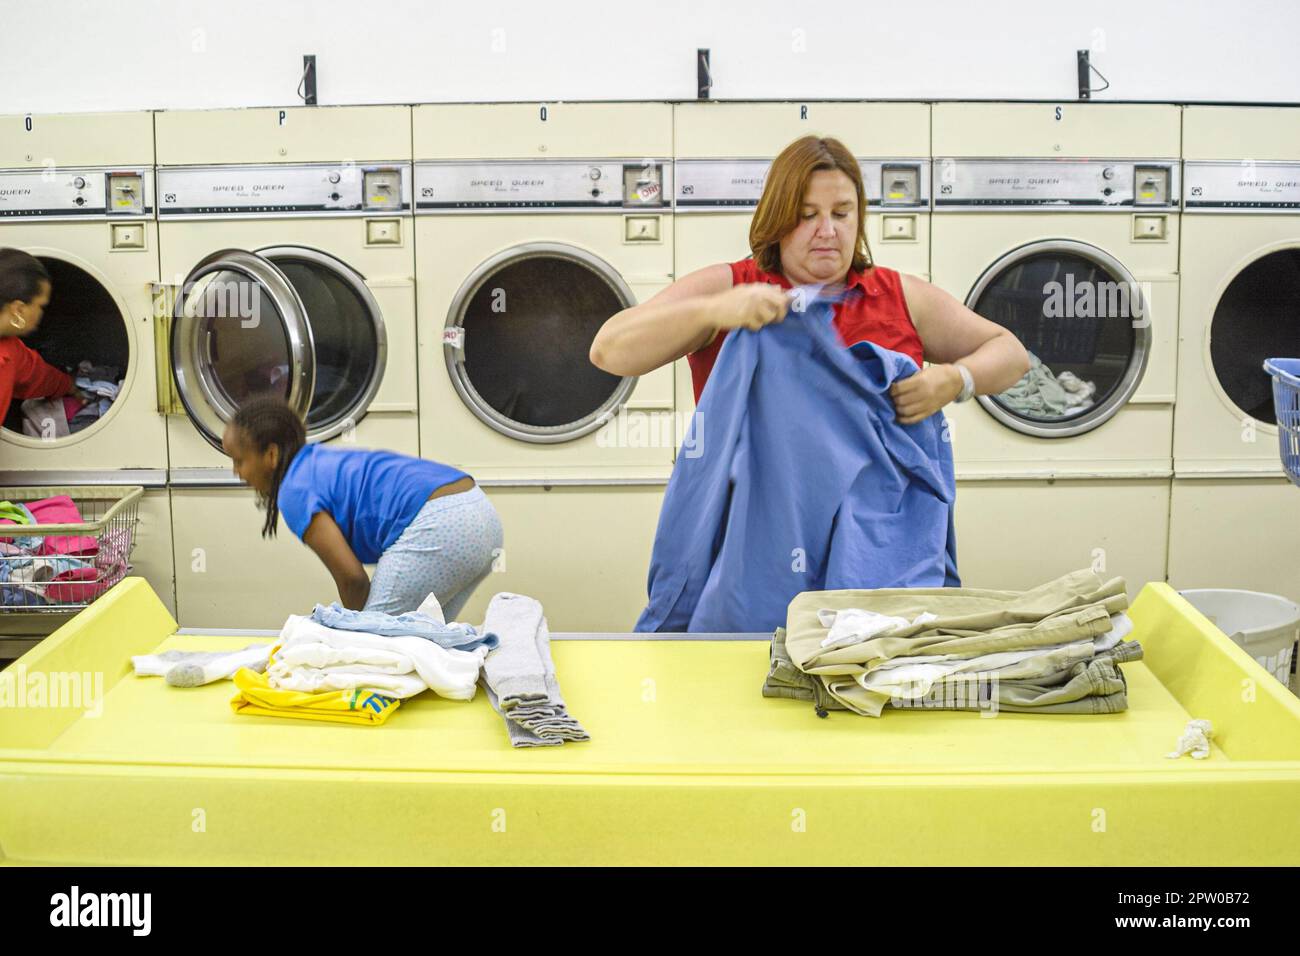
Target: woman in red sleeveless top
x,y
809,227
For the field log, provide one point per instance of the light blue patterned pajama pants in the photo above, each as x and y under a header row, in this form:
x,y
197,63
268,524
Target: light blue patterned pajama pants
x,y
448,548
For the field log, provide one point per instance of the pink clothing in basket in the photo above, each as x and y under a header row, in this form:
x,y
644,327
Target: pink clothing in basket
x,y
61,510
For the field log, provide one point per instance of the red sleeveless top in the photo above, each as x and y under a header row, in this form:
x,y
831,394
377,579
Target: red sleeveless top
x,y
878,316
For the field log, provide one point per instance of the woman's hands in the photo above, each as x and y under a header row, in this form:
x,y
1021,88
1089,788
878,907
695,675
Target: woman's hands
x,y
755,305
749,306
919,396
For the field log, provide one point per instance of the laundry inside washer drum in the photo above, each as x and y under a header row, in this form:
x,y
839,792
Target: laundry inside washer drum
x,y
528,334
82,330
1042,393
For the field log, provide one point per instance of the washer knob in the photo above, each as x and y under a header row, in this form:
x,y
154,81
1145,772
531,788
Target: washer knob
x,y
594,172
1108,172
79,182
334,177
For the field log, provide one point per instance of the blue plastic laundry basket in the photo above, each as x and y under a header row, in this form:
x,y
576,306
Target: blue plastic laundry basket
x,y
1286,402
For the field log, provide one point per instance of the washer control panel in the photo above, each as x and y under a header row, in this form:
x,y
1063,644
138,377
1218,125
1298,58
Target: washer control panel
x,y
550,185
315,189
82,193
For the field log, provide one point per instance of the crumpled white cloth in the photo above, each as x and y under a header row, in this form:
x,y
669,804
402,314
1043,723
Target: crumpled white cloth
x,y
1195,740
914,677
1121,626
854,625
1078,393
315,658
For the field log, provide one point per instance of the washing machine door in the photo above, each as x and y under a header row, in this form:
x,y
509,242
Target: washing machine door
x,y
1256,318
518,338
286,320
1083,319
349,345
239,329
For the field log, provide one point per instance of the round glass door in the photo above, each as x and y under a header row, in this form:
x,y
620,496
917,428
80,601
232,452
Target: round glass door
x,y
287,321
1082,318
519,337
1257,318
347,332
83,331
239,329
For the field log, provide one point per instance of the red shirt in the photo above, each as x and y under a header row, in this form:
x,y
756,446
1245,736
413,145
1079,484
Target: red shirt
x,y
878,316
24,374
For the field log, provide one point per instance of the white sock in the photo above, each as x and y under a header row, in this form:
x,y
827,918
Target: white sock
x,y
219,666
192,668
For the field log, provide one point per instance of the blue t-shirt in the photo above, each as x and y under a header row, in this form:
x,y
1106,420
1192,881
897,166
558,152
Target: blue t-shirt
x,y
371,495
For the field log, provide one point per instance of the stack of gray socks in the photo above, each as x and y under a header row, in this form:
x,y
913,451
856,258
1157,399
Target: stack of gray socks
x,y
519,675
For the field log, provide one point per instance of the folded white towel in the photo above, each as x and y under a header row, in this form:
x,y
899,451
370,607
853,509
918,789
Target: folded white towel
x,y
315,657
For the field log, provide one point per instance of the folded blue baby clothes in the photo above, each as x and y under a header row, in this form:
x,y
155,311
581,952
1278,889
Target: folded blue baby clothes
x,y
454,636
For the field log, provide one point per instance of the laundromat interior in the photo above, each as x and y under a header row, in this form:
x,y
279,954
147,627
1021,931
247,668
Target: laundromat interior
x,y
435,216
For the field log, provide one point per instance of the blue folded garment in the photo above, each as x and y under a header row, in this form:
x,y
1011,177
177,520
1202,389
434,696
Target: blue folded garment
x,y
38,569
12,595
455,636
796,476
96,386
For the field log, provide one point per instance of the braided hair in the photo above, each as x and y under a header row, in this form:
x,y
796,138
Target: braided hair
x,y
265,421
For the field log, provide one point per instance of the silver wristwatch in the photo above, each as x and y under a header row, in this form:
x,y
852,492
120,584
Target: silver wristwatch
x,y
967,383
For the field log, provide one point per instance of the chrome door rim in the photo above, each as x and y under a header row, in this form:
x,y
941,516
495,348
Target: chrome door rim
x,y
539,434
357,283
185,335
1129,381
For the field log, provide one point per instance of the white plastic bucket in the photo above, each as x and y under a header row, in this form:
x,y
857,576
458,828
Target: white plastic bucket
x,y
1266,626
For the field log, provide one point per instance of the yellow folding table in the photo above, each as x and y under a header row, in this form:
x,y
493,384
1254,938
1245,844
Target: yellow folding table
x,y
687,764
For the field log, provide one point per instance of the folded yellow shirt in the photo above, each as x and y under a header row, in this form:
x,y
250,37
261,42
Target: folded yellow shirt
x,y
258,698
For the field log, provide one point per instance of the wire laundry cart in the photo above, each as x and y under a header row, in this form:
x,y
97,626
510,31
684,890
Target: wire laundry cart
x,y
49,572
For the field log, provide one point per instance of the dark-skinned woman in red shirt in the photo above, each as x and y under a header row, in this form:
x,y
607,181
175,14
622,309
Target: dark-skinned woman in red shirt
x,y
24,293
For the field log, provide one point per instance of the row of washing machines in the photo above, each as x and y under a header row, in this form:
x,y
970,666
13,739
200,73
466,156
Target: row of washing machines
x,y
428,279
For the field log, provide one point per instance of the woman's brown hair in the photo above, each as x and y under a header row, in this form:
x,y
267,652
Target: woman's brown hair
x,y
782,201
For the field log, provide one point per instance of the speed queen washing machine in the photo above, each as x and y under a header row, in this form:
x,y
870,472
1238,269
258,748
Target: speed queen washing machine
x,y
535,222
1060,222
76,191
299,219
1234,518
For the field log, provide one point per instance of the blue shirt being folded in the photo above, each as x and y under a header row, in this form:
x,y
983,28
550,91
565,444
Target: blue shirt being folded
x,y
797,476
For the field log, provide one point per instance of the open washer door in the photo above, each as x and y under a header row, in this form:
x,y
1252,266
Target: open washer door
x,y
287,321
